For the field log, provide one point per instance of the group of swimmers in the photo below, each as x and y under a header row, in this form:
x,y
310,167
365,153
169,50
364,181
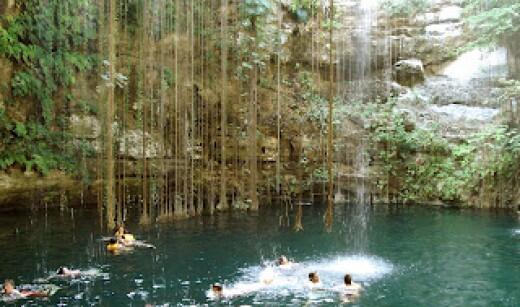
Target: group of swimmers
x,y
349,289
122,239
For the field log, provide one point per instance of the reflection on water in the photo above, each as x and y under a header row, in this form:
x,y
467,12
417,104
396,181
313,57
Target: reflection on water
x,y
411,257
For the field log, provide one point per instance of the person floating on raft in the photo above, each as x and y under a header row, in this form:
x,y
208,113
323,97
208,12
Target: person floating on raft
x,y
126,239
9,292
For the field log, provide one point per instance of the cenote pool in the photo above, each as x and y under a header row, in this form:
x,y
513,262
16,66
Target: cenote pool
x,y
403,256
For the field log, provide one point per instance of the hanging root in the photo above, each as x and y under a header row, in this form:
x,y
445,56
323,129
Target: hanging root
x,y
298,226
329,216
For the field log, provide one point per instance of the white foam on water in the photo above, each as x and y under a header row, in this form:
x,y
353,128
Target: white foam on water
x,y
516,231
84,276
138,294
272,282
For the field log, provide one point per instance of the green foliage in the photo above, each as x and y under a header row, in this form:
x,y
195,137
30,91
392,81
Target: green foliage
x,y
302,9
48,41
256,8
34,147
253,44
493,22
404,8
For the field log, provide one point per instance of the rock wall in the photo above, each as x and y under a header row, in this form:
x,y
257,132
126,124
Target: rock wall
x,y
375,56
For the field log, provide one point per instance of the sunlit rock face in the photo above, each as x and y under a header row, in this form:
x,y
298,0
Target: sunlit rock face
x,y
459,96
432,36
131,145
6,6
477,64
469,80
84,126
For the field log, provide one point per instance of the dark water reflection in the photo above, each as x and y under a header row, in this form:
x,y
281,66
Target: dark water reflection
x,y
406,257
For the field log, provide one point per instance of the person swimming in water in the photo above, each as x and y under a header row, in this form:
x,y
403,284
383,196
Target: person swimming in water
x,y
284,263
10,292
350,290
66,272
314,280
124,236
119,231
217,290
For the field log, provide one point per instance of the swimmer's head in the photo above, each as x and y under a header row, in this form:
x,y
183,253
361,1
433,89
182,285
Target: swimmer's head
x,y
62,271
347,279
217,289
314,277
119,230
282,260
8,286
112,241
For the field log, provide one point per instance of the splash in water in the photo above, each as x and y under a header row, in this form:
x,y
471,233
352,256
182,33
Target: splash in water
x,y
271,282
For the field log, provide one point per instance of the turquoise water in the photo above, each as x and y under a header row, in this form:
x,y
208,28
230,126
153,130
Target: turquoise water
x,y
403,257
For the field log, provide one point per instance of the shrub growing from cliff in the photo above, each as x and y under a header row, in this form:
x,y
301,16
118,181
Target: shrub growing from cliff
x,y
418,164
493,21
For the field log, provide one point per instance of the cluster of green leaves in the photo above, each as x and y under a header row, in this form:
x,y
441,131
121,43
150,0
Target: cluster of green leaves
x,y
310,99
511,91
303,9
253,44
48,42
493,21
36,148
404,8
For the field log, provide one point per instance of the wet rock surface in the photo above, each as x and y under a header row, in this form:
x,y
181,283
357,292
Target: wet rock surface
x,y
409,72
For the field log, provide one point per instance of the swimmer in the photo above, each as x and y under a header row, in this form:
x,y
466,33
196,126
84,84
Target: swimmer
x,y
350,285
9,291
350,289
123,236
119,231
113,246
66,272
217,290
314,280
284,263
